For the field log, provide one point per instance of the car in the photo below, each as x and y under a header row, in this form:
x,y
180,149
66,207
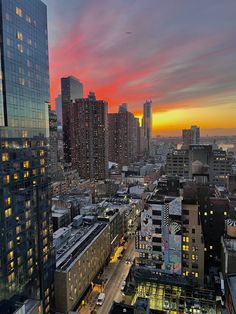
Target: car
x,y
123,285
101,298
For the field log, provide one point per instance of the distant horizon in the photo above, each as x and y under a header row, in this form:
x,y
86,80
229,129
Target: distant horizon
x,y
214,132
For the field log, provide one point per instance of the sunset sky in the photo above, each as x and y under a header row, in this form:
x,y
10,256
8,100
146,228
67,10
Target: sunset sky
x,y
179,53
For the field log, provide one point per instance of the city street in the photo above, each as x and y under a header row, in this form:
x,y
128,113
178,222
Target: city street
x,y
115,274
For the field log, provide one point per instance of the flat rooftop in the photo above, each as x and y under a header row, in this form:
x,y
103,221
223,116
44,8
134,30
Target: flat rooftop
x,y
77,243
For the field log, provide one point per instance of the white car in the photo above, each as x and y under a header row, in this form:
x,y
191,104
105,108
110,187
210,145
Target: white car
x,y
123,285
101,298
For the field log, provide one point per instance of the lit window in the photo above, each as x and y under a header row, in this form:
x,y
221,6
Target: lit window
x,y
8,201
185,247
16,176
18,11
24,133
26,174
10,256
5,157
34,172
42,170
19,35
20,48
7,179
187,239
42,162
8,212
18,229
205,214
211,247
211,212
193,257
10,245
30,252
225,213
196,275
26,164
41,153
205,249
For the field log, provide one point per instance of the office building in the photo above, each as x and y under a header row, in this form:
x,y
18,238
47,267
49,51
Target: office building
x,y
191,136
53,144
123,136
26,256
147,125
200,162
71,89
123,108
89,137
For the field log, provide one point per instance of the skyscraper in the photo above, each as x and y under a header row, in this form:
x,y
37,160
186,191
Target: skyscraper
x,y
147,125
88,133
191,136
58,107
26,258
123,129
53,141
71,89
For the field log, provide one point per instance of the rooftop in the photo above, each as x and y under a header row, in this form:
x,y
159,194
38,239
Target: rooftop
x,y
79,240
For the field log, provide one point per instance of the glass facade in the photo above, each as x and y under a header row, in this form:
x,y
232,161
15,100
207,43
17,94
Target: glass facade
x,y
26,253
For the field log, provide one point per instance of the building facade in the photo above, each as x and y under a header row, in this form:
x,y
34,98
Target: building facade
x,y
78,265
71,89
89,137
26,255
123,138
147,125
53,144
191,136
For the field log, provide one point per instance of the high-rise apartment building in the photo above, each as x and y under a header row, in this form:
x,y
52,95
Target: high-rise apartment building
x,y
58,106
71,89
170,239
26,258
89,137
147,125
191,136
123,130
53,144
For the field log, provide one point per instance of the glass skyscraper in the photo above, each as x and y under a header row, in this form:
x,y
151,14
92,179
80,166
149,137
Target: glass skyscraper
x,y
26,254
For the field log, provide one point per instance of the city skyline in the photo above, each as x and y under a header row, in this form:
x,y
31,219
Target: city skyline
x,y
183,58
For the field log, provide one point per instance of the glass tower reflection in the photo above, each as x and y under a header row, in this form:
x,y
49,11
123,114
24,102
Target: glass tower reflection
x,y
26,254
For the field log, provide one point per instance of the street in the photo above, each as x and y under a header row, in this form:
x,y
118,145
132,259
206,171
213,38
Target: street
x,y
115,273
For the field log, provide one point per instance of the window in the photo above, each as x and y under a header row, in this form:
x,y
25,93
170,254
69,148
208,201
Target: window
x,y
26,164
26,174
185,247
7,179
193,230
5,157
8,212
19,36
20,48
18,11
